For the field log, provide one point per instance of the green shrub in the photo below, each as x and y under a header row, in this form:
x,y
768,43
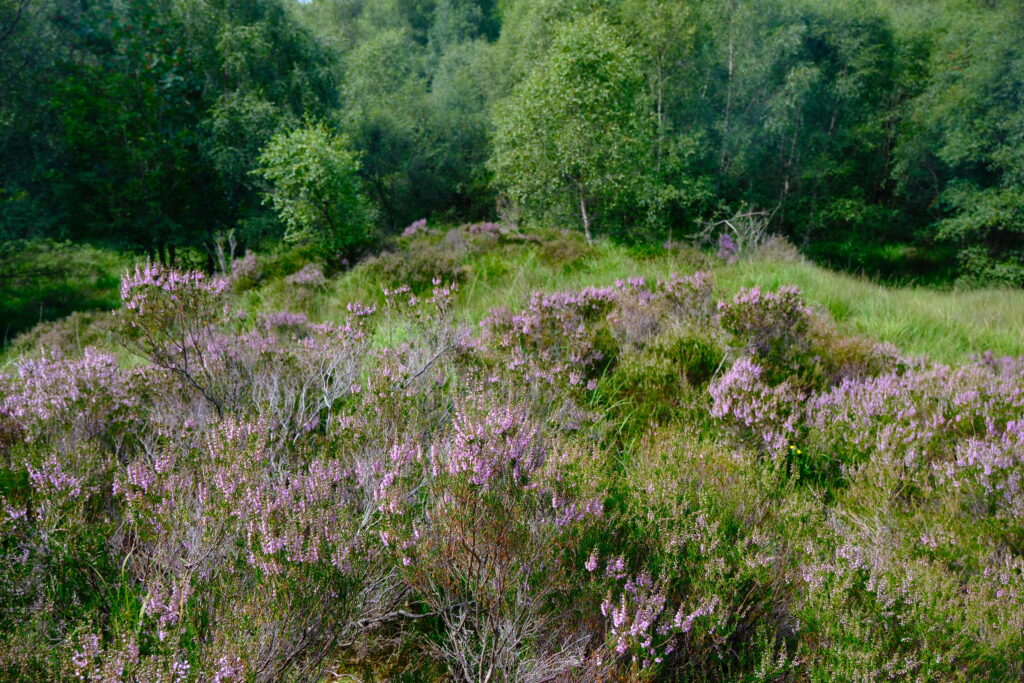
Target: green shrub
x,y
563,249
662,383
43,280
422,258
315,189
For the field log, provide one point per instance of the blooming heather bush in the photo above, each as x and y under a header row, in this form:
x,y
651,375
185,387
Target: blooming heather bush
x,y
182,324
920,419
62,402
66,337
427,257
557,341
727,250
834,358
220,513
643,312
772,327
767,414
706,568
877,609
310,276
169,318
245,270
590,488
566,339
481,525
415,228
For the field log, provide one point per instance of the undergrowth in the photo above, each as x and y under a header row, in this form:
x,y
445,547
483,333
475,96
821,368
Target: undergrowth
x,y
546,460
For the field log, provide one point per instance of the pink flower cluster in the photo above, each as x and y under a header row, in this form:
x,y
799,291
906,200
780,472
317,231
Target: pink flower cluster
x,y
415,228
769,414
769,325
639,624
138,287
309,276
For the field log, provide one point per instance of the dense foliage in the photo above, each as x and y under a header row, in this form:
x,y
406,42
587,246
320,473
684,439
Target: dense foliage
x,y
881,136
315,189
466,340
646,479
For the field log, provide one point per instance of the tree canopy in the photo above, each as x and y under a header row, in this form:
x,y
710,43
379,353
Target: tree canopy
x,y
315,189
867,131
576,131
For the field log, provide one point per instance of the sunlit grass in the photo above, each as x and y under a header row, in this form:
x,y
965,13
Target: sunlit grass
x,y
946,326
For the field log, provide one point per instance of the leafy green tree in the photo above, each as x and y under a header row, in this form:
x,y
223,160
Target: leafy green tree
x,y
314,187
259,72
459,124
668,36
963,154
459,21
577,131
137,124
131,172
385,99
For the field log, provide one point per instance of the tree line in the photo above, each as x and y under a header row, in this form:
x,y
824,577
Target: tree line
x,y
863,129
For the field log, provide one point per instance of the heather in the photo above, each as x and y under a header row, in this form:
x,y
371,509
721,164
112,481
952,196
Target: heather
x,y
552,460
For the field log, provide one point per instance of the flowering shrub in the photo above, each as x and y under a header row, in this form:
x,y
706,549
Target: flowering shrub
x,y
245,269
292,380
415,227
920,419
766,413
169,318
309,276
772,327
642,312
727,250
626,482
483,541
427,256
66,337
642,628
77,398
555,341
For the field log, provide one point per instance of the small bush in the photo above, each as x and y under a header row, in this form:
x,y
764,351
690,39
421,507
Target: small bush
x,y
315,189
564,248
424,258
772,327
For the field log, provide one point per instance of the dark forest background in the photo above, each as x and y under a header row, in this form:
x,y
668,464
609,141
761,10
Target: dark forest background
x,y
882,137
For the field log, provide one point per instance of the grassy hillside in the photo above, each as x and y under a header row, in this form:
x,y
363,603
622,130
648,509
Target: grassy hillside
x,y
948,326
945,325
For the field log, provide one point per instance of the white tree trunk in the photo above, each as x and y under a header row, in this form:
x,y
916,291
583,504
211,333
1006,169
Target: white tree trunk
x,y
585,217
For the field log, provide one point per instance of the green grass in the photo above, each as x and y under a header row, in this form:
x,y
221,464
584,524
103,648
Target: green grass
x,y
945,326
43,280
